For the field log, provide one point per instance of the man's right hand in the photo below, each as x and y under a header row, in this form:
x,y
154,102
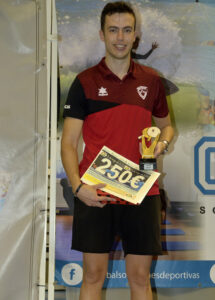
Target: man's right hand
x,y
88,195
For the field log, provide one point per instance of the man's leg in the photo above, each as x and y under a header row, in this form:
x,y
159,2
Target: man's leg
x,y
138,272
95,269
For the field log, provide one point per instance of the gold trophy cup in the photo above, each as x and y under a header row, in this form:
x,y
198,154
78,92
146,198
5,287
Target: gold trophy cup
x,y
148,160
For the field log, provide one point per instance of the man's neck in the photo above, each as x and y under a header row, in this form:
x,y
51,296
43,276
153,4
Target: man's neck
x,y
119,67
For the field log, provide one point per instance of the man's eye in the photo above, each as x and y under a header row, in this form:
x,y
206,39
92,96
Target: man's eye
x,y
112,30
128,30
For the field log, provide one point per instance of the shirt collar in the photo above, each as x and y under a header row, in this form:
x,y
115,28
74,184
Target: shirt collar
x,y
103,68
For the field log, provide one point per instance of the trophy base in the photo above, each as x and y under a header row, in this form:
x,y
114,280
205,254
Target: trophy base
x,y
148,164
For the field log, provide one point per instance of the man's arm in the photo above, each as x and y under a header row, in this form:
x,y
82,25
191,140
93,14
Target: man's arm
x,y
69,154
167,133
147,54
141,56
70,137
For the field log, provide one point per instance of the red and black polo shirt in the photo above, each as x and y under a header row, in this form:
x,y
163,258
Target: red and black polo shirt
x,y
115,111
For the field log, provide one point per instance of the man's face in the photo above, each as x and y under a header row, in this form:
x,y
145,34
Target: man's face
x,y
118,35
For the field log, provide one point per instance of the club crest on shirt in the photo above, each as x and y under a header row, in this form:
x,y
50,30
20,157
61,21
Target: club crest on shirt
x,y
103,92
142,91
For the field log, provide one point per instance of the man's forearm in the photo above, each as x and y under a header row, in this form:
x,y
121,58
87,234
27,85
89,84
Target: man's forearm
x,y
87,193
69,158
167,133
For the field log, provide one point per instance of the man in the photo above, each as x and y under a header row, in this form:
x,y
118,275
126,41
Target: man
x,y
104,104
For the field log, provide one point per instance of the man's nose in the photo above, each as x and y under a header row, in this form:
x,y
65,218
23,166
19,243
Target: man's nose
x,y
120,35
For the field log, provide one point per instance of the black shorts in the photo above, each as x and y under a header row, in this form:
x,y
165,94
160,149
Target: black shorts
x,y
139,226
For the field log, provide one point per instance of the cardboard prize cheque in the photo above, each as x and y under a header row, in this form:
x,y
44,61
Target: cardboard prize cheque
x,y
122,177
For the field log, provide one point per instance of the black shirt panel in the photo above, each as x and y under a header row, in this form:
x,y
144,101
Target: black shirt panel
x,y
78,106
94,106
73,108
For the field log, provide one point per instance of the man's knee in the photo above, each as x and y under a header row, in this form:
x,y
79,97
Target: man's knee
x,y
94,275
139,277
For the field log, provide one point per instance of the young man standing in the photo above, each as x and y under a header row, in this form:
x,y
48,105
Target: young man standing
x,y
105,105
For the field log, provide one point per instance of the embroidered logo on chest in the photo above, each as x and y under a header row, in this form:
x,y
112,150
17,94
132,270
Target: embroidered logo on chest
x,y
103,92
142,91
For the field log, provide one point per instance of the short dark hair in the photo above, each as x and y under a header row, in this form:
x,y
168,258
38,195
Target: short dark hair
x,y
116,7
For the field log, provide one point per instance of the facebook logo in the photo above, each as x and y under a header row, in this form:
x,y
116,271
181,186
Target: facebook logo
x,y
204,165
72,274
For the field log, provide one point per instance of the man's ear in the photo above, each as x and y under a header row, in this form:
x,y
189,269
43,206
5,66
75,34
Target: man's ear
x,y
101,34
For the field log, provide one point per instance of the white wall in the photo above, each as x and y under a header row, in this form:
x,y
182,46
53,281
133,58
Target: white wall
x,y
23,150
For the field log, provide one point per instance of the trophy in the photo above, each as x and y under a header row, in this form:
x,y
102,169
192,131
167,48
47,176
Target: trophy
x,y
148,160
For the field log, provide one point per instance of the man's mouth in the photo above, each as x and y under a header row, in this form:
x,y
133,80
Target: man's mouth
x,y
120,47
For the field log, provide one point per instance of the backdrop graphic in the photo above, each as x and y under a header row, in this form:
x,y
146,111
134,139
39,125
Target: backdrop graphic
x,y
185,57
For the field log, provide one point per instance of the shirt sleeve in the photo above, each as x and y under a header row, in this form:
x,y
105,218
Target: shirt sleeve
x,y
75,106
160,109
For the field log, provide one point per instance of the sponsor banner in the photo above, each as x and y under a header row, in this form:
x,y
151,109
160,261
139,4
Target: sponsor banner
x,y
174,274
